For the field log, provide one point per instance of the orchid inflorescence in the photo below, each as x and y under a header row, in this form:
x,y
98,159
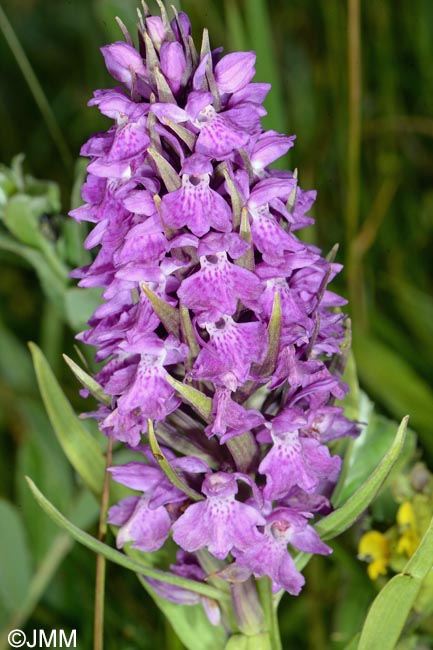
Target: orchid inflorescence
x,y
219,336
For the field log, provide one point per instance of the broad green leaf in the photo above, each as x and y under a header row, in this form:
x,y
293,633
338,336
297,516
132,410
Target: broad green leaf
x,y
198,400
41,456
15,559
370,445
342,518
88,382
81,449
387,376
166,467
116,556
80,305
391,607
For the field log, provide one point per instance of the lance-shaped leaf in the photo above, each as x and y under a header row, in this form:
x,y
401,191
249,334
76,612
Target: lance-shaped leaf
x,y
88,382
166,467
292,196
168,315
164,90
205,49
236,198
155,139
184,134
342,518
247,259
116,556
188,335
165,20
198,400
152,61
168,174
82,450
391,607
274,334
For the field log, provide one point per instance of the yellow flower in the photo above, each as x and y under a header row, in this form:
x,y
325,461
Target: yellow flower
x,y
408,529
374,549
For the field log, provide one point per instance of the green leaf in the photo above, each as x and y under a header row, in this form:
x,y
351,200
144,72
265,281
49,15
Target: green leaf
x,y
235,197
115,556
188,334
168,315
370,445
274,333
88,382
247,259
41,456
21,216
348,513
259,641
52,284
391,607
15,563
81,449
166,467
80,305
184,134
190,623
198,400
353,645
168,174
342,518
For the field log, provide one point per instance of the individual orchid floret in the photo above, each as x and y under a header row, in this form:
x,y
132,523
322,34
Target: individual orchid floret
x,y
146,528
220,521
196,205
294,460
269,555
233,347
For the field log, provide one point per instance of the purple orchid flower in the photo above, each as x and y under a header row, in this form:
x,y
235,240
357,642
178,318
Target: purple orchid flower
x,y
216,323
